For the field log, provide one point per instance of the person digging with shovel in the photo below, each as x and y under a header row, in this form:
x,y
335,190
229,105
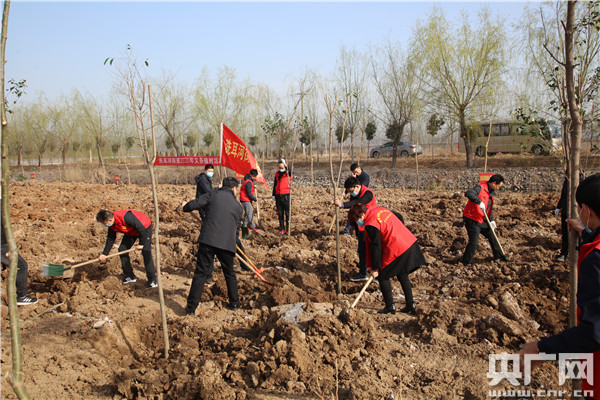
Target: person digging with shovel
x,y
218,237
133,225
392,251
481,200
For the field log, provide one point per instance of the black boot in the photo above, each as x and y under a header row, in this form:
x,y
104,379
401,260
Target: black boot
x,y
388,310
409,309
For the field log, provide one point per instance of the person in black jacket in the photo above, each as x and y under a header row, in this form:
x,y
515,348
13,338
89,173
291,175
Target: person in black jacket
x,y
21,283
585,337
364,180
218,236
204,184
359,194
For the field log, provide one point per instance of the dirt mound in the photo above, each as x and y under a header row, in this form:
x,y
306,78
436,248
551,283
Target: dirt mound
x,y
296,339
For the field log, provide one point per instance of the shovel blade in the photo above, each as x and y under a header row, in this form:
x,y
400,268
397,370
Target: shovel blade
x,y
53,269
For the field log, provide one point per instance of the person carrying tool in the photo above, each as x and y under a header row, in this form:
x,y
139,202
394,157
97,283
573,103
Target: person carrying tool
x,y
204,184
133,225
281,195
359,194
392,251
21,283
481,200
247,197
218,236
584,338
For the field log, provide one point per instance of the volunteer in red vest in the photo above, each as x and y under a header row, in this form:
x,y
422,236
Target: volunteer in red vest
x,y
584,338
133,225
247,197
281,195
359,194
481,200
392,251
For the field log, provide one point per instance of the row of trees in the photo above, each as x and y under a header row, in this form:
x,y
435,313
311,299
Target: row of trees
x,y
451,71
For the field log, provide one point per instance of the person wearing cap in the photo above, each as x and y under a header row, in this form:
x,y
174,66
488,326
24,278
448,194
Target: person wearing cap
x,y
247,197
281,195
481,200
359,194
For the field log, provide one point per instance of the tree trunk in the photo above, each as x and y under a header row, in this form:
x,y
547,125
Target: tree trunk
x,y
15,377
464,134
574,167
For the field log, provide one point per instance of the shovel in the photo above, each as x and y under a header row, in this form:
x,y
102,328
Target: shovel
x,y
260,225
362,291
495,237
251,266
59,269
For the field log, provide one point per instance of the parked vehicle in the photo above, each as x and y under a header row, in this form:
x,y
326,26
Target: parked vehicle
x,y
405,149
513,137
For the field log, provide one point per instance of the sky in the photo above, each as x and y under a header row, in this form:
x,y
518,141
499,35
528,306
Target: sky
x,y
57,47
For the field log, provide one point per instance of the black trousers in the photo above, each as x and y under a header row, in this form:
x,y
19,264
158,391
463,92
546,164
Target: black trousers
x,y
204,270
564,231
22,266
145,238
282,202
386,290
473,230
361,249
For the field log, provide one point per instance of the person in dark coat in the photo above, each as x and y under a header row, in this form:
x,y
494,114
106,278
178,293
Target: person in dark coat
x,y
585,337
133,225
359,194
481,200
281,195
392,251
204,184
218,237
364,180
21,283
247,197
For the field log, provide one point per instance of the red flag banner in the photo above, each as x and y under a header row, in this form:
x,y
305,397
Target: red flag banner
x,y
236,156
187,161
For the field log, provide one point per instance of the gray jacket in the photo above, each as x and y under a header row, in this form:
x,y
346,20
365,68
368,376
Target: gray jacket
x,y
223,219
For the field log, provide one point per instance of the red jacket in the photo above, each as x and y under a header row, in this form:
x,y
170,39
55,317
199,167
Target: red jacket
x,y
584,251
243,194
472,210
282,183
121,227
395,237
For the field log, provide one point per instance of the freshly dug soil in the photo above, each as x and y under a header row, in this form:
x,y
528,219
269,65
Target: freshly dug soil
x,y
296,340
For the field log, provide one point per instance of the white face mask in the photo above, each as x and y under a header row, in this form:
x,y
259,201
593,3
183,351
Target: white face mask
x,y
585,226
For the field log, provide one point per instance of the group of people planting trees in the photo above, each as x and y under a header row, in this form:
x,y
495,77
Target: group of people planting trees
x,y
386,247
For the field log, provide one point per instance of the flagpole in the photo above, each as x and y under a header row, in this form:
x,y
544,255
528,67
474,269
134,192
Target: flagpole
x,y
221,148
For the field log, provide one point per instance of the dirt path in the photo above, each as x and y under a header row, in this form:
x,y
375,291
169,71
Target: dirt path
x,y
293,341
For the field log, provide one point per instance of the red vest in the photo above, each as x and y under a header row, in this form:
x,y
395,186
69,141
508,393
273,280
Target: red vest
x,y
121,227
282,185
243,194
472,209
395,237
584,250
363,190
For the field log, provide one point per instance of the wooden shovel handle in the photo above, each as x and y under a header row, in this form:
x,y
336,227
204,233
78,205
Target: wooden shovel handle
x,y
96,259
362,291
494,233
